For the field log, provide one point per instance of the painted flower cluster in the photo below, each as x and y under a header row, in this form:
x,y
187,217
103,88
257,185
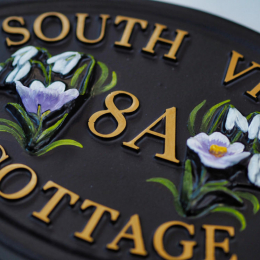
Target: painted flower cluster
x,y
49,90
222,165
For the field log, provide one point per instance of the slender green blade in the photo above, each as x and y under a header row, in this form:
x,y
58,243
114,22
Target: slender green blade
x,y
192,118
109,86
218,120
206,190
22,118
13,125
172,188
187,184
58,143
252,198
77,74
216,183
51,130
42,68
240,217
236,137
102,78
209,114
11,131
89,72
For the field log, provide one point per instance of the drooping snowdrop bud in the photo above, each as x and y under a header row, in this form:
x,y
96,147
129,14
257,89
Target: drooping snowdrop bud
x,y
235,118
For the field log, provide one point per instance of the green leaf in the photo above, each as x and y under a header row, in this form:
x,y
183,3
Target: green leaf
x,y
209,114
23,119
218,120
77,74
240,217
255,146
253,199
109,86
205,190
236,137
216,183
187,184
102,78
89,72
51,130
56,144
13,125
168,184
9,130
192,118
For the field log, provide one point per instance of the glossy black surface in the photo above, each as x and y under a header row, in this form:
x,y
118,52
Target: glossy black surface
x,y
106,172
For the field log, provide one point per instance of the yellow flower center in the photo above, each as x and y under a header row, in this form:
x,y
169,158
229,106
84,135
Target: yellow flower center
x,y
217,151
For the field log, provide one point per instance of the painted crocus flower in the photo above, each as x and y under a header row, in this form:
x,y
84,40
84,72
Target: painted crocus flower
x,y
51,98
215,150
65,62
254,128
235,118
21,63
254,170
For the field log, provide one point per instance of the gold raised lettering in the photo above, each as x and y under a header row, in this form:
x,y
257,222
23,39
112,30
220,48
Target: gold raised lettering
x,y
117,114
175,45
211,244
81,27
187,245
65,24
95,218
130,24
15,30
136,236
54,201
169,136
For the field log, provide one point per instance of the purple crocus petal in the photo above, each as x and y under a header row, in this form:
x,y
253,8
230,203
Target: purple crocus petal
x,y
66,97
236,148
47,99
58,86
25,94
218,139
234,158
201,145
210,160
199,142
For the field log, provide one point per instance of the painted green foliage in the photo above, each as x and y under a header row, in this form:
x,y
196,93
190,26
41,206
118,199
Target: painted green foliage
x,y
222,164
44,84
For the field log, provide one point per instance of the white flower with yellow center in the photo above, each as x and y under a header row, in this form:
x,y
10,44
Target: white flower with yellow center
x,y
215,150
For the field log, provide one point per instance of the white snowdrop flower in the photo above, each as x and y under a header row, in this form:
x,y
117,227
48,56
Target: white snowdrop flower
x,y
235,118
65,62
254,170
19,72
21,63
23,55
254,128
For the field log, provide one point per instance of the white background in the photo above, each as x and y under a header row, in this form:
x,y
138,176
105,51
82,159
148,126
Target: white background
x,y
244,12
